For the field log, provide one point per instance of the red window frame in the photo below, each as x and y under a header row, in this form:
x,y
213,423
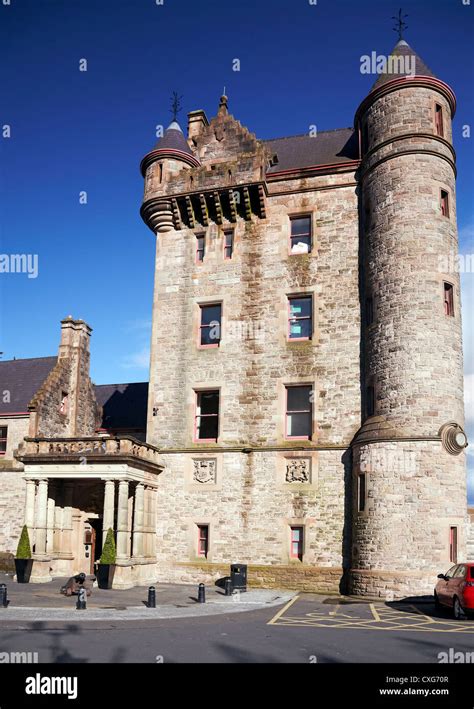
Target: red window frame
x,y
228,244
309,234
198,415
453,545
448,290
444,203
439,123
302,411
64,405
296,542
200,249
296,318
202,327
203,540
3,439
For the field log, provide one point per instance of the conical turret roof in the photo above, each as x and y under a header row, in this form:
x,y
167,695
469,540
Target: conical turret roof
x,y
172,144
405,62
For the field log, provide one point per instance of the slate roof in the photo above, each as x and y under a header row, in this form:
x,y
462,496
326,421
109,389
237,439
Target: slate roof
x,y
173,139
326,148
22,378
124,405
403,49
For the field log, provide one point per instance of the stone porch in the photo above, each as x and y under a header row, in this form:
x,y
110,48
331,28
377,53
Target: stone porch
x,y
78,488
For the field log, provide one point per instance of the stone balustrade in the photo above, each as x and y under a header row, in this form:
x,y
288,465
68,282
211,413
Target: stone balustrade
x,y
94,446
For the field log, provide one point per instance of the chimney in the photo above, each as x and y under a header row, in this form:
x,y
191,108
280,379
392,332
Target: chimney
x,y
75,334
197,121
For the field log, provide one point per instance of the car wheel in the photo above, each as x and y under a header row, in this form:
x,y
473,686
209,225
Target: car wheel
x,y
458,610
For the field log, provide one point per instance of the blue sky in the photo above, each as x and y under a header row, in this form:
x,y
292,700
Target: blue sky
x,y
75,131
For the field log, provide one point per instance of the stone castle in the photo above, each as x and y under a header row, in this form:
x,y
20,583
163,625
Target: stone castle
x,y
304,413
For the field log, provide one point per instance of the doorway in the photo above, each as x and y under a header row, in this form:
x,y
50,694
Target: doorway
x,y
95,543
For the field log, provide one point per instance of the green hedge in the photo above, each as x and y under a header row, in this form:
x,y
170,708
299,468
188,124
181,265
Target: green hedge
x,y
109,553
24,549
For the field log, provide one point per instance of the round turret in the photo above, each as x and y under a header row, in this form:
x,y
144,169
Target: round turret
x,y
410,485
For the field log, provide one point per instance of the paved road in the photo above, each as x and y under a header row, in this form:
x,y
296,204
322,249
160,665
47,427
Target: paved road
x,y
311,629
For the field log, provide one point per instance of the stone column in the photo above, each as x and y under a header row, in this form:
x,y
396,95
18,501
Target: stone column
x,y
122,521
30,508
138,521
153,505
109,508
58,528
146,523
66,536
50,522
41,518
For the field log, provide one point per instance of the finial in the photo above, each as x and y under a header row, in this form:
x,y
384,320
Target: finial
x,y
175,104
223,104
400,24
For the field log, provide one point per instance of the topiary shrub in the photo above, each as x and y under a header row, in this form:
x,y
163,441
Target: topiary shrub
x,y
24,549
109,553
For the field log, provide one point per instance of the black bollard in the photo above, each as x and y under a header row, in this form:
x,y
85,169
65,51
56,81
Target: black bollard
x,y
3,596
228,587
81,604
201,593
151,597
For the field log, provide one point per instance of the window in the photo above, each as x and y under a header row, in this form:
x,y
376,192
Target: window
x,y
228,244
63,406
369,311
453,545
200,248
361,492
207,415
448,299
444,203
210,327
203,540
367,214
370,401
365,138
299,412
3,439
300,238
439,120
300,317
296,544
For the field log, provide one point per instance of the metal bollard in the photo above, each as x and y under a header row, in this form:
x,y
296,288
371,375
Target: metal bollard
x,y
228,587
81,604
151,597
3,596
201,593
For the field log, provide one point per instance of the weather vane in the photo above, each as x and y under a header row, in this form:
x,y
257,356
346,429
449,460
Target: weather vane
x,y
175,104
401,25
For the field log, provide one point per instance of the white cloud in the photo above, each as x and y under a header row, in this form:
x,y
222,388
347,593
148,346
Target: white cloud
x,y
137,360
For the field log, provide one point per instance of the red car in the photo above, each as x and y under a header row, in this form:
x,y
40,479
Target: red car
x,y
455,589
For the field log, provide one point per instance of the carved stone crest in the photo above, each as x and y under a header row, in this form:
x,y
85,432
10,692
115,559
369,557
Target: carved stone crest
x,y
204,470
298,470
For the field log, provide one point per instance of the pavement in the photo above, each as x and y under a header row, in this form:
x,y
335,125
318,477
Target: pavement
x,y
43,602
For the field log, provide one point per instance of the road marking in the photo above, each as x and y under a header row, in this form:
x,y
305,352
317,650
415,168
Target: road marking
x,y
426,617
374,612
283,610
335,611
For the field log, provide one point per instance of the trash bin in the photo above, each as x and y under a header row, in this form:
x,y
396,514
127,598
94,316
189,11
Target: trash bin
x,y
238,575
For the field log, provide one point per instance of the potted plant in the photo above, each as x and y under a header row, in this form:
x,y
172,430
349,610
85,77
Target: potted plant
x,y
106,569
23,560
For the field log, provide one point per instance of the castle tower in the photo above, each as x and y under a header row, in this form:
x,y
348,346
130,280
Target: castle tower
x,y
409,479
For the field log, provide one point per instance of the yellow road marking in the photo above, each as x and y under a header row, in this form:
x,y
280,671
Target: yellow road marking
x,y
426,617
283,610
374,612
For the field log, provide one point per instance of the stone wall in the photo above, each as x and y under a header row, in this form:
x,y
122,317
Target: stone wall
x,y
12,509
